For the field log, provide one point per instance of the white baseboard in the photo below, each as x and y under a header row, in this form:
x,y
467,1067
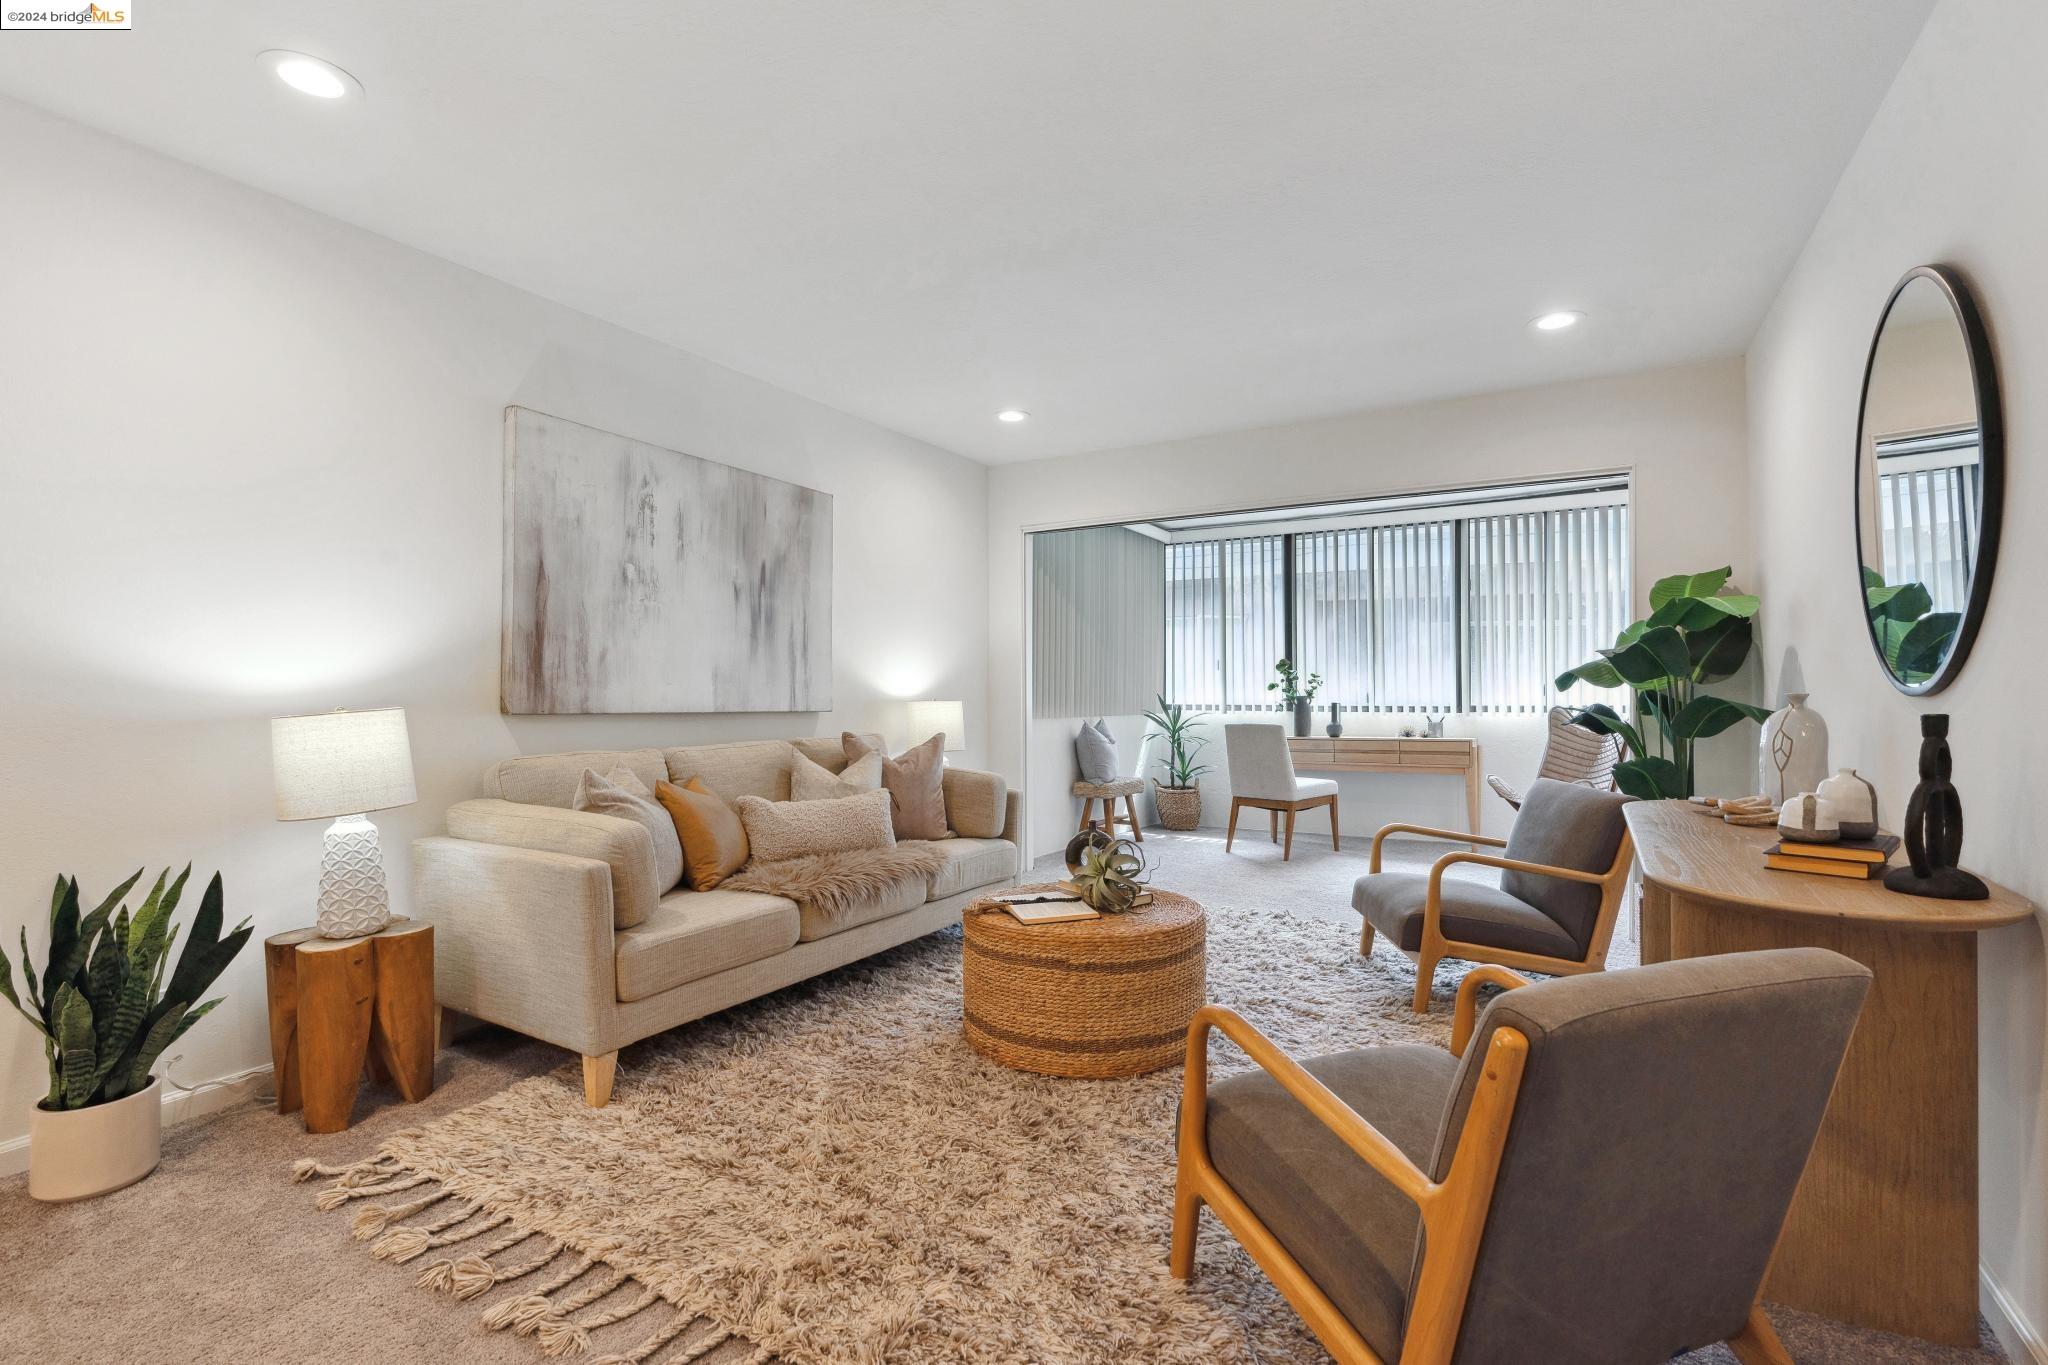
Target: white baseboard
x,y
180,1106
2021,1342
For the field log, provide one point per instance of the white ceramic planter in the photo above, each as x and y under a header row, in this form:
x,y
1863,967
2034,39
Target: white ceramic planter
x,y
78,1153
1792,756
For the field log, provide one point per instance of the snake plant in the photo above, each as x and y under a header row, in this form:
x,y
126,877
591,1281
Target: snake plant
x,y
102,1005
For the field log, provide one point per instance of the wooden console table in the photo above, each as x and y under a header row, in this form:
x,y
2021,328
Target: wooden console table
x,y
1374,754
1883,1230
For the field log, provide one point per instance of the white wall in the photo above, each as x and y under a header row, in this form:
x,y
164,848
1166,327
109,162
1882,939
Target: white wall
x,y
1950,171
1682,431
252,466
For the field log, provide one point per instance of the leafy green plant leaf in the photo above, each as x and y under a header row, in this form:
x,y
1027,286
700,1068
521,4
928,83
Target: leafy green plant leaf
x,y
1688,585
1650,779
1705,716
1657,655
1718,651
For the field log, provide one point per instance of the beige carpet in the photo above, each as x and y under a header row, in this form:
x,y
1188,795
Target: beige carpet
x,y
218,1256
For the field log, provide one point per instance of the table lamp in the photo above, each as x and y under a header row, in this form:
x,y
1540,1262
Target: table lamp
x,y
928,718
343,764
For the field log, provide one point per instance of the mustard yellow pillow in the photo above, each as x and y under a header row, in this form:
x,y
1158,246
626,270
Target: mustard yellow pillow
x,y
714,841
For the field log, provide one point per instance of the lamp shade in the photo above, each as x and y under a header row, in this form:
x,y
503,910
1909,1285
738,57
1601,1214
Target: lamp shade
x,y
341,763
928,718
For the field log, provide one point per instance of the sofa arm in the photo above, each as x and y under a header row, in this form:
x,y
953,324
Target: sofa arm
x,y
622,845
1013,824
522,938
975,803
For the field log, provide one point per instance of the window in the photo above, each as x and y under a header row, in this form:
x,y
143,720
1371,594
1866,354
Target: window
x,y
1468,602
1927,492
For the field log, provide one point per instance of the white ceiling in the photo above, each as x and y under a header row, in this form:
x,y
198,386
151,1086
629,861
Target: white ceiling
x,y
1137,219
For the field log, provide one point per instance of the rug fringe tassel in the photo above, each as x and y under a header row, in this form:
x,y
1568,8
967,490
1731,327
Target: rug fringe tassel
x,y
699,1349
563,1336
402,1244
352,1174
674,1328
374,1218
341,1192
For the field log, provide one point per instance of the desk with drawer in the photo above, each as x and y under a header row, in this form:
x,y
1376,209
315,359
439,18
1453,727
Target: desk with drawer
x,y
1386,754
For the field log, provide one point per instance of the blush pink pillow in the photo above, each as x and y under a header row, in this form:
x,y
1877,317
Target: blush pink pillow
x,y
916,782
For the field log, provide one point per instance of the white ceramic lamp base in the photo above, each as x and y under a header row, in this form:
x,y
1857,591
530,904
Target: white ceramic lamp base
x,y
353,901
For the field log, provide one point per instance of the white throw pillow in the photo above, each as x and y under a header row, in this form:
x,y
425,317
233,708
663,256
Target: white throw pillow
x,y
1095,752
809,781
790,829
620,793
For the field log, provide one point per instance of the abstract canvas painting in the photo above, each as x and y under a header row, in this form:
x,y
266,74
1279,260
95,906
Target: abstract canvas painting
x,y
640,579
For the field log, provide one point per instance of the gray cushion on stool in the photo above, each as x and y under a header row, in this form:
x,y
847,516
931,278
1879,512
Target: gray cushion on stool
x,y
1352,1231
1473,912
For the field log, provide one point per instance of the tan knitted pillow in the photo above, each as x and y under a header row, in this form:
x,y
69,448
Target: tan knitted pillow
x,y
809,781
791,829
916,782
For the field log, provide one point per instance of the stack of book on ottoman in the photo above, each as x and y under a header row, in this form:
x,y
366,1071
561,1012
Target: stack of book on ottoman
x,y
1859,858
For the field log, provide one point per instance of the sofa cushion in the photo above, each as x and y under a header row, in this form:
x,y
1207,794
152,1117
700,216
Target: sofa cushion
x,y
714,839
620,793
906,894
809,781
915,781
550,779
970,863
623,845
790,829
1565,825
694,934
829,751
1473,912
1347,1225
976,803
760,768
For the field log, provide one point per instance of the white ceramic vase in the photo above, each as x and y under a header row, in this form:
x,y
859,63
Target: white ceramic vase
x,y
78,1153
1809,819
1855,803
1792,757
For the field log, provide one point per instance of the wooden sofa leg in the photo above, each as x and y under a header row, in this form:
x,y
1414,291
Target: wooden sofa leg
x,y
597,1079
1757,1343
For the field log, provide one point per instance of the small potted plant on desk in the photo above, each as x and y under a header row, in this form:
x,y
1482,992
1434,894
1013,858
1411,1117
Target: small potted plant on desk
x,y
1178,798
106,1014
1298,695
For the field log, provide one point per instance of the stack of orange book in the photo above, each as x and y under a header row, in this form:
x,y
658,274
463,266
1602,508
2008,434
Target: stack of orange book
x,y
1857,858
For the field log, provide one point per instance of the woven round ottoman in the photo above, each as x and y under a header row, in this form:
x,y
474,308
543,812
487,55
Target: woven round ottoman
x,y
1090,998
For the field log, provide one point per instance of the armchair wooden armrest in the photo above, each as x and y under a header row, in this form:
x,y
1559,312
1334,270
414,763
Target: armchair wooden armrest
x,y
1428,831
1466,1015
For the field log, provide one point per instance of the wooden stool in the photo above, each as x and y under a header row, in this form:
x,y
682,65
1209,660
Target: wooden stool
x,y
1107,793
337,1004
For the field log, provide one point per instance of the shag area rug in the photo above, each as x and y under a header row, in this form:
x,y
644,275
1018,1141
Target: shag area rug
x,y
833,1174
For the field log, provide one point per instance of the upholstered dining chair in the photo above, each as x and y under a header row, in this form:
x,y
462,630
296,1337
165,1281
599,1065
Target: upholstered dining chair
x,y
1565,868
1262,777
1598,1172
1571,753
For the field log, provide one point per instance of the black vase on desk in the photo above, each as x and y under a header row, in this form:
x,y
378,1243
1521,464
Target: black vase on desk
x,y
1302,716
1336,725
1934,827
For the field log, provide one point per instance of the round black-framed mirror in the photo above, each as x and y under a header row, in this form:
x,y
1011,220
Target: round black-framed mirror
x,y
1930,480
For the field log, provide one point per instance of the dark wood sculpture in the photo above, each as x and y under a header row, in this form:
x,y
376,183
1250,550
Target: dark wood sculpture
x,y
1934,827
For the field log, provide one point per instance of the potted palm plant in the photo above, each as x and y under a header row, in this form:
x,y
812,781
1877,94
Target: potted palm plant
x,y
1695,634
1178,797
106,1014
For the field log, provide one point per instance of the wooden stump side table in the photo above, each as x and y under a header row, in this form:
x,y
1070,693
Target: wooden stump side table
x,y
339,1004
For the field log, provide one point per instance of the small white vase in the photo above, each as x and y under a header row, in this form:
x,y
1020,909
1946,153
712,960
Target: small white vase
x,y
1792,756
1809,819
1855,803
78,1153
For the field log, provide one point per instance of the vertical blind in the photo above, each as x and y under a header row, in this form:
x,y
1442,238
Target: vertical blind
x,y
1375,612
1097,638
1226,618
1927,494
1470,613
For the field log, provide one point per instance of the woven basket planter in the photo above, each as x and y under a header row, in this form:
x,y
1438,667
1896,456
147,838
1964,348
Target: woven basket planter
x,y
1179,807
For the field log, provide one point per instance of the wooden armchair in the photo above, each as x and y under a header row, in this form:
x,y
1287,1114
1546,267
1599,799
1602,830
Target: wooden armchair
x,y
1410,1205
1563,875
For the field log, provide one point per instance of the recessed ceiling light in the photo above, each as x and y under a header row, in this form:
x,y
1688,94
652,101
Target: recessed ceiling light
x,y
1558,321
322,80
1012,415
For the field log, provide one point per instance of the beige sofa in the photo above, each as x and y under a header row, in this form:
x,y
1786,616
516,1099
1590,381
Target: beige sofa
x,y
548,920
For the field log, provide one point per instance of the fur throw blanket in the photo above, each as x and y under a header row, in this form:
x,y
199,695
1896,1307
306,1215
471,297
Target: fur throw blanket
x,y
833,883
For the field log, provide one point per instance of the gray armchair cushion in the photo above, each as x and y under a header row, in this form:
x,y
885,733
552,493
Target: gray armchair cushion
x,y
1473,912
1664,1119
1352,1231
1563,824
